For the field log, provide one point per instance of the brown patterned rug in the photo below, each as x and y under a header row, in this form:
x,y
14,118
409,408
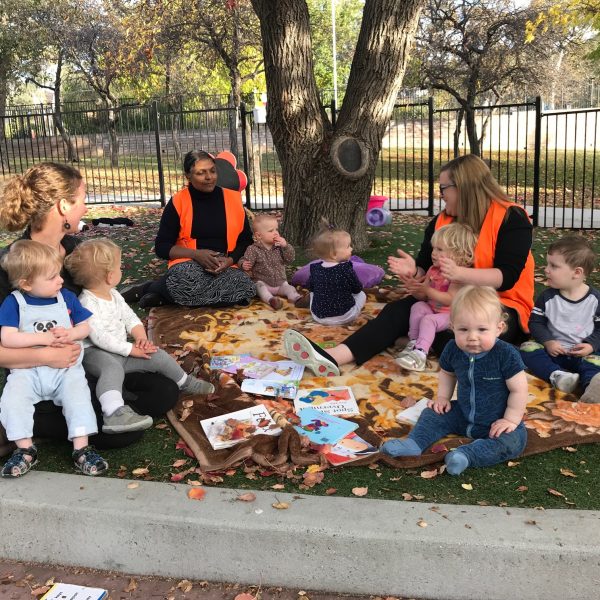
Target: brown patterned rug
x,y
381,387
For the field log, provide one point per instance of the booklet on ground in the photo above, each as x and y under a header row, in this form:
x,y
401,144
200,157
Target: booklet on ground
x,y
228,430
267,387
336,401
412,413
321,428
255,368
68,591
350,448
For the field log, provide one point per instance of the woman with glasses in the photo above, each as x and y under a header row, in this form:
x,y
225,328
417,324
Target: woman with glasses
x,y
503,260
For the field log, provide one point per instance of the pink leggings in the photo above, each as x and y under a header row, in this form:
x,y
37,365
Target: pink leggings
x,y
425,323
266,292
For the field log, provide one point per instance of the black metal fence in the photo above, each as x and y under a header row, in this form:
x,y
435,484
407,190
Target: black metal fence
x,y
548,161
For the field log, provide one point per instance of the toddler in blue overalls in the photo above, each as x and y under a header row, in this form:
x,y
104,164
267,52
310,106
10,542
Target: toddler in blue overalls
x,y
39,313
491,395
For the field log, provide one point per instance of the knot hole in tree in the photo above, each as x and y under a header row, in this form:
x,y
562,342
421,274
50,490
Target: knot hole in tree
x,y
350,157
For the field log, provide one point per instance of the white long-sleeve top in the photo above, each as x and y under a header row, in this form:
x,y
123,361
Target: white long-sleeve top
x,y
111,322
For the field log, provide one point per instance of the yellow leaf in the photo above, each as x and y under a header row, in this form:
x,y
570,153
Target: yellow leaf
x,y
314,469
360,491
466,486
280,505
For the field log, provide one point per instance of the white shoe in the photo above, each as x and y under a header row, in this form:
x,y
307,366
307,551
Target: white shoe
x,y
564,381
413,360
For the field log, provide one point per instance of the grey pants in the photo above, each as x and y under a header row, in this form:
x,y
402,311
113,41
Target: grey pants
x,y
190,285
110,369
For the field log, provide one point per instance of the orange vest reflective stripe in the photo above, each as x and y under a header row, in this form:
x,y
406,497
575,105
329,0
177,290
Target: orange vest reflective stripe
x,y
234,217
520,296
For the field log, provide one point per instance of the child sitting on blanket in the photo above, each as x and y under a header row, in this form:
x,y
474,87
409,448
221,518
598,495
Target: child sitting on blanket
x,y
336,296
265,262
565,322
108,355
432,313
492,390
40,313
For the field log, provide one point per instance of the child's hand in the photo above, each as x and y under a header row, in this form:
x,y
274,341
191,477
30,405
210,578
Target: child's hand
x,y
139,353
554,348
145,345
62,335
582,349
501,426
279,241
46,339
449,269
416,287
439,406
246,265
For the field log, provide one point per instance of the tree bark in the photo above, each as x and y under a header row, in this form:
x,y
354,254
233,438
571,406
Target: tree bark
x,y
72,155
317,182
471,126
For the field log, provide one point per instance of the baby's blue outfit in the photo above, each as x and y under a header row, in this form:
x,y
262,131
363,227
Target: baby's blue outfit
x,y
481,399
65,387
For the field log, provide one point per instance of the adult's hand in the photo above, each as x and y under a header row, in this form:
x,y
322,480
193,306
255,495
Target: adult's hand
x,y
63,356
402,265
450,270
224,263
207,259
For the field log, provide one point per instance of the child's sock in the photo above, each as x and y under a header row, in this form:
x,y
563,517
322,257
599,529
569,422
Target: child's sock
x,y
456,462
401,447
192,385
564,381
110,401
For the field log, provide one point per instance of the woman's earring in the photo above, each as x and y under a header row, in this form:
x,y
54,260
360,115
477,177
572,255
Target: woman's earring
x,y
67,225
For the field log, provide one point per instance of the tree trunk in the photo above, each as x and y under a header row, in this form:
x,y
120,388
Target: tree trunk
x,y
112,118
3,100
329,171
472,130
72,155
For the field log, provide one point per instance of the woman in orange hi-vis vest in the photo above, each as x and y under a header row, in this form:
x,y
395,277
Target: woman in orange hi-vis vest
x,y
503,261
203,232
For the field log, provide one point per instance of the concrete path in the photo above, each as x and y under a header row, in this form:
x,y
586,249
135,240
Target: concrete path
x,y
347,545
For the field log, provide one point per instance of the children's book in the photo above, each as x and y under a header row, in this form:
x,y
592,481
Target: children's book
x,y
350,448
321,428
337,401
228,430
412,413
267,387
280,370
68,591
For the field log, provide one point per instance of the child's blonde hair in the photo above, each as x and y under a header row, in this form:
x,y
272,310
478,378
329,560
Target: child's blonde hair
x,y
92,261
478,300
262,218
576,251
460,240
326,240
27,259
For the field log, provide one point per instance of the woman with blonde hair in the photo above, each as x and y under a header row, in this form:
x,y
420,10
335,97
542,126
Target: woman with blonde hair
x,y
47,201
503,260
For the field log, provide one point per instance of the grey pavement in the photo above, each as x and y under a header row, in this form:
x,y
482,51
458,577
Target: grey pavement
x,y
348,545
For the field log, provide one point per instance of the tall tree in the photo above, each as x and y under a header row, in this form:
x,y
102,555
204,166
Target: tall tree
x,y
328,170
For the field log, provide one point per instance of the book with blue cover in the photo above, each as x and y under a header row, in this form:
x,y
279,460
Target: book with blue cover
x,y
321,428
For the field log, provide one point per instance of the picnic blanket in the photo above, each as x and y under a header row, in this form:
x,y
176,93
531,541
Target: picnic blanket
x,y
381,387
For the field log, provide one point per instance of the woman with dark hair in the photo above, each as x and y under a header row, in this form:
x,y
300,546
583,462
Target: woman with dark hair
x,y
203,232
48,201
503,260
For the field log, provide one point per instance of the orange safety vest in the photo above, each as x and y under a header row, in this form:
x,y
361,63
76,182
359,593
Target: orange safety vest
x,y
234,217
520,296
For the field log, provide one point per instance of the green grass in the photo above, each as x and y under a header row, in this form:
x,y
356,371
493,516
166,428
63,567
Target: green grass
x,y
526,484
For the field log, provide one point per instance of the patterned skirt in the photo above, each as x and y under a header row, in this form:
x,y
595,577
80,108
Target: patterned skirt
x,y
190,285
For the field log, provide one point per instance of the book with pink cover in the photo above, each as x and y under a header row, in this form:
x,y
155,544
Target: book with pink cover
x,y
336,401
350,448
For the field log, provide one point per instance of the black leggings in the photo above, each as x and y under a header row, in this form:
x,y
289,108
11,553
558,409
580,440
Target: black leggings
x,y
148,393
393,321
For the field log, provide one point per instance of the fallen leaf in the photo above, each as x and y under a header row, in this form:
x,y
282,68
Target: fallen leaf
x,y
418,497
314,468
407,496
193,482
280,505
555,493
133,485
360,491
567,473
512,463
161,426
522,488
310,479
247,497
179,463
570,449
278,486
330,491
196,493
437,448
429,474
131,586
530,522
421,523
184,585
466,486
40,590
140,472
245,596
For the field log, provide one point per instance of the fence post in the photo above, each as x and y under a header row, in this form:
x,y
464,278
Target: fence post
x,y
245,152
159,165
333,107
431,151
537,150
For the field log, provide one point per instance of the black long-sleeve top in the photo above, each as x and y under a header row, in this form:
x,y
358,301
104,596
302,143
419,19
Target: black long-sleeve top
x,y
515,237
209,226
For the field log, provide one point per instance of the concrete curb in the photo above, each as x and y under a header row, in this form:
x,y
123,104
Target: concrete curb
x,y
322,543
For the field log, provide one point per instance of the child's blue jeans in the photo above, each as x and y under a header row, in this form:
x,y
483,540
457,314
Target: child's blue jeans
x,y
482,452
542,365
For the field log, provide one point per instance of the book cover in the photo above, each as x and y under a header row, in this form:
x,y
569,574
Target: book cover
x,y
266,387
321,428
337,401
412,413
228,430
68,591
348,449
255,368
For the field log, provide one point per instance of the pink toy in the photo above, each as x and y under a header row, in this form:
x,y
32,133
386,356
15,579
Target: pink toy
x,y
377,213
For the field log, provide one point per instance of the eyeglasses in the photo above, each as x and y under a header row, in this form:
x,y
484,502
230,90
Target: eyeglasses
x,y
443,188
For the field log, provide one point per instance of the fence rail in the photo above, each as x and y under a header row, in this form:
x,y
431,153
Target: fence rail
x,y
546,160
